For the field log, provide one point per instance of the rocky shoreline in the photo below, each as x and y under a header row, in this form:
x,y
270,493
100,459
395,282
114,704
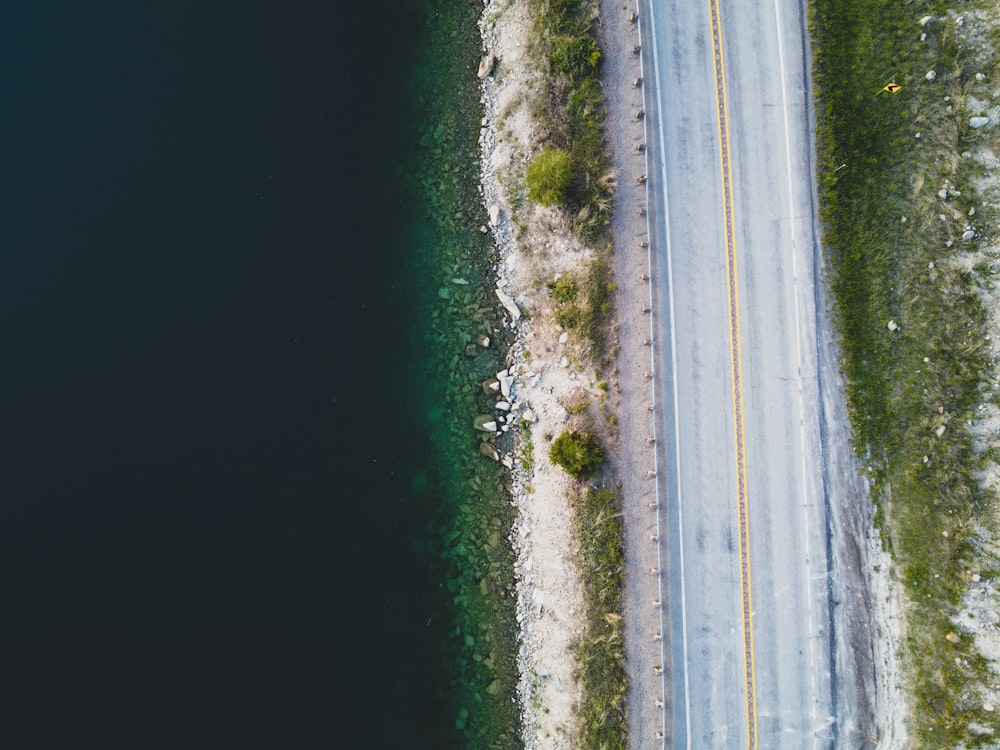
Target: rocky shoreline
x,y
534,245
503,232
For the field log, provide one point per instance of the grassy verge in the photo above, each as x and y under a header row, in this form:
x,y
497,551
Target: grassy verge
x,y
896,195
570,117
571,111
599,651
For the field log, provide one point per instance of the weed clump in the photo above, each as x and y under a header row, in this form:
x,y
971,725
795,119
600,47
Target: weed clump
x,y
583,302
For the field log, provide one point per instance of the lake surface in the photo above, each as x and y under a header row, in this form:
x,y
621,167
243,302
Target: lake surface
x,y
228,472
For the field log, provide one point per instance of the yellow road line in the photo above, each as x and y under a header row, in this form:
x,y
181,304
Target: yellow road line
x,y
735,356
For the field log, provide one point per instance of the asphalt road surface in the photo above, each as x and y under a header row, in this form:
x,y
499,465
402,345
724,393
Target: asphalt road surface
x,y
744,532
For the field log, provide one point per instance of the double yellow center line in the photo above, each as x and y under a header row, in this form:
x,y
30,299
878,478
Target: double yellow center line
x,y
735,356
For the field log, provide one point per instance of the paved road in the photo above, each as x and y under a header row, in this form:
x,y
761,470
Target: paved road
x,y
745,584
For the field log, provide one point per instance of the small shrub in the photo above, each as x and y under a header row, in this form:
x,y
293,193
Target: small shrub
x,y
578,453
550,175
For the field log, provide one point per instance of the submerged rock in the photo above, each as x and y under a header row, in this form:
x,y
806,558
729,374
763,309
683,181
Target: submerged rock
x,y
489,451
485,423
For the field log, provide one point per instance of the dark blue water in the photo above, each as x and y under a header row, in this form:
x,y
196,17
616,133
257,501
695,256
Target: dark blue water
x,y
218,514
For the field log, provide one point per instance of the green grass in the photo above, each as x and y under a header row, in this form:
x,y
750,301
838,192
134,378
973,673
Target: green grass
x,y
600,653
903,385
550,176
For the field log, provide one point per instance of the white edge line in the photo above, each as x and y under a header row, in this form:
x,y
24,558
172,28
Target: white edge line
x,y
673,364
798,357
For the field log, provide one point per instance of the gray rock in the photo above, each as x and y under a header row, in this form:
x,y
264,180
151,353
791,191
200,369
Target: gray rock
x,y
491,386
485,423
505,383
494,215
979,122
508,302
486,65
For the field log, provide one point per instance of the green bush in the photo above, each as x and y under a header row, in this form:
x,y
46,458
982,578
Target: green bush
x,y
550,175
578,453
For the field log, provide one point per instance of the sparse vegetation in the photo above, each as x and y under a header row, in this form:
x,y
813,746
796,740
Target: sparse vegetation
x,y
893,239
600,652
578,453
571,170
571,113
527,446
584,303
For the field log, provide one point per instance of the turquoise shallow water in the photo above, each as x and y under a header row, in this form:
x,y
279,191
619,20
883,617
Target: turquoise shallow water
x,y
456,269
243,504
